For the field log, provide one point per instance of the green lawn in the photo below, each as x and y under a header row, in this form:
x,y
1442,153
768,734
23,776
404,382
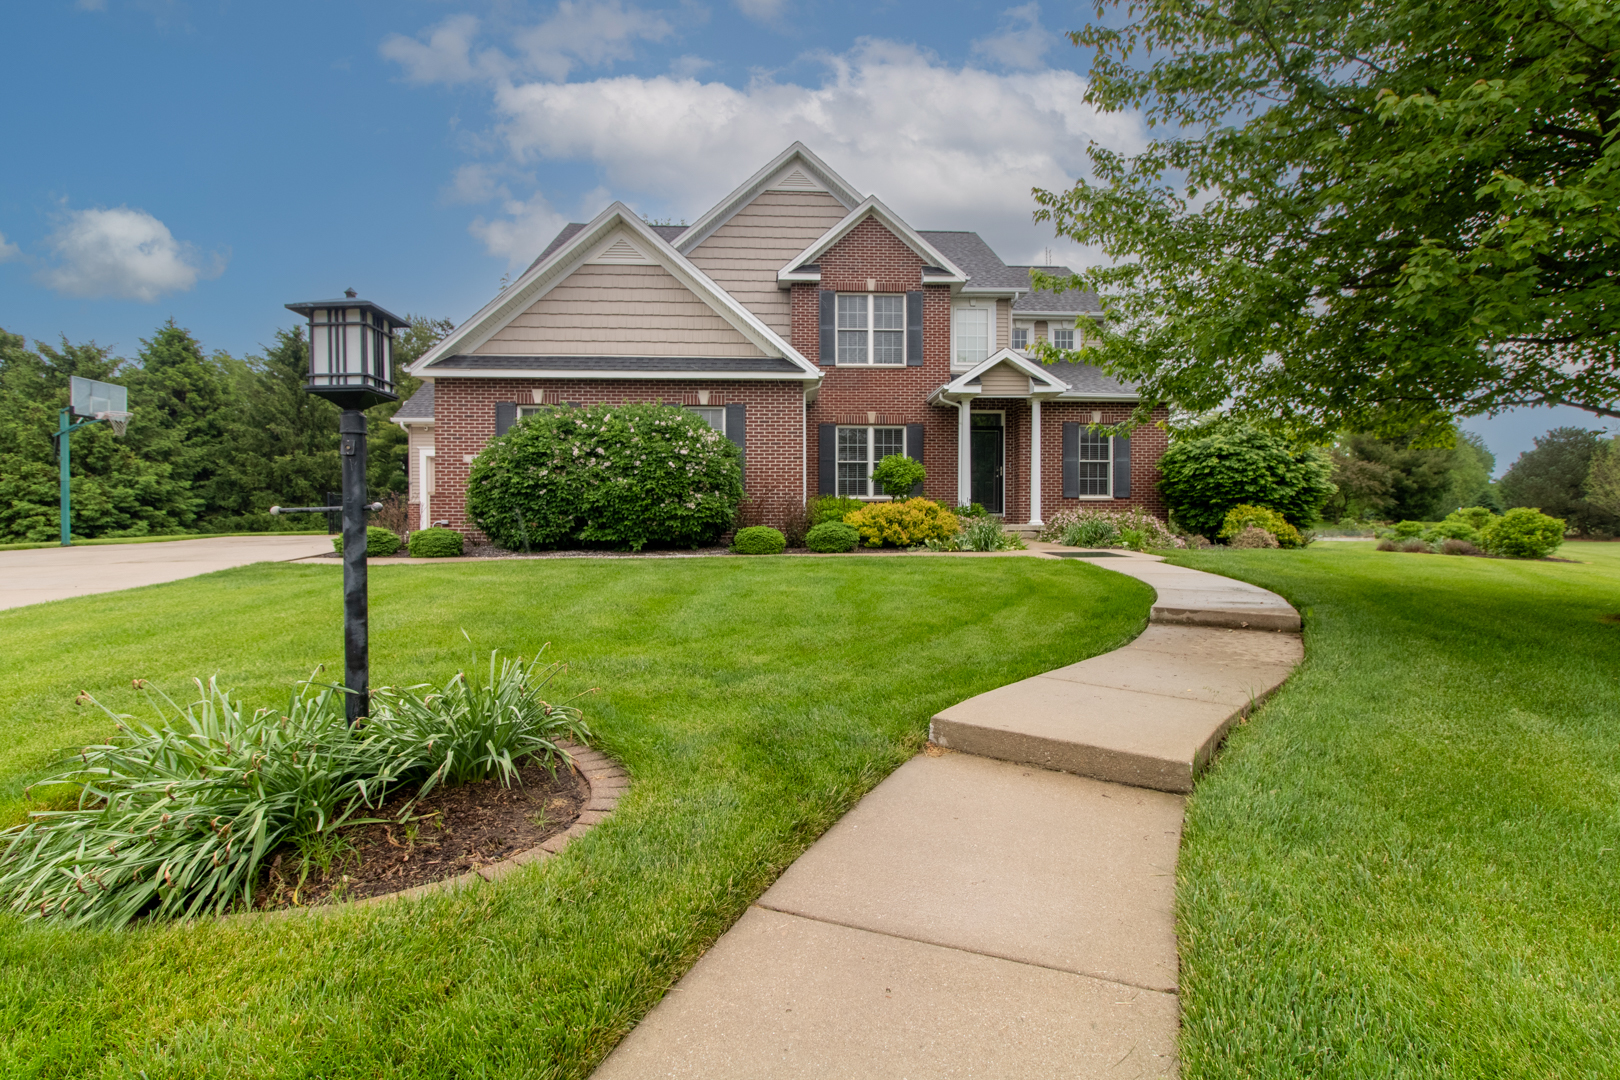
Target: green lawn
x,y
752,700
1408,863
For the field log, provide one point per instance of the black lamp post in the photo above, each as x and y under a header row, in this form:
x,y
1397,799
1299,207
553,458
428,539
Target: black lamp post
x,y
351,363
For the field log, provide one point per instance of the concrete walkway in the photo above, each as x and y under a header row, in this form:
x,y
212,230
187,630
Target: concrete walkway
x,y
980,914
34,575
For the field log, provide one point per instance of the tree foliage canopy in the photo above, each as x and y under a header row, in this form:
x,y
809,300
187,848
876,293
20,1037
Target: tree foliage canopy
x,y
1202,479
1393,210
1553,477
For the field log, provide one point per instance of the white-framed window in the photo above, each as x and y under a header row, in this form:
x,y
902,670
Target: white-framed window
x,y
872,329
528,410
971,334
713,415
1095,465
1020,337
1063,338
859,451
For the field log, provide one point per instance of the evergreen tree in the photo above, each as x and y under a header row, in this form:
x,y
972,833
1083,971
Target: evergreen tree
x,y
1553,479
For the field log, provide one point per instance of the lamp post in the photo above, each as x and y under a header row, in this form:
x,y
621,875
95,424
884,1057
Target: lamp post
x,y
351,363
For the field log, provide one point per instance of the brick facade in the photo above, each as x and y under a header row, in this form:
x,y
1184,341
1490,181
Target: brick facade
x,y
464,420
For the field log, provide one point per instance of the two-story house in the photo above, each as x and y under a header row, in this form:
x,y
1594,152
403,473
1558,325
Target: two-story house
x,y
813,327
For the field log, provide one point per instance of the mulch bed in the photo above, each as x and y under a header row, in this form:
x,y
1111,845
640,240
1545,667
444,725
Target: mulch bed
x,y
452,831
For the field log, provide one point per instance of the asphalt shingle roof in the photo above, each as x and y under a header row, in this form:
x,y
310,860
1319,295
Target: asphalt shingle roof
x,y
984,267
419,406
1081,303
1085,380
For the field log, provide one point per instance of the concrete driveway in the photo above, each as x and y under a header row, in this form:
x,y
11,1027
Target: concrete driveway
x,y
39,574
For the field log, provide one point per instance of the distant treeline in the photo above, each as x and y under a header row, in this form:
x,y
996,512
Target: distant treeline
x,y
214,442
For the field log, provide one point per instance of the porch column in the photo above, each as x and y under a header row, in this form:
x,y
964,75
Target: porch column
x,y
964,458
1035,461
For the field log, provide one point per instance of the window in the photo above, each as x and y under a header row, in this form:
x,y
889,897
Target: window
x,y
1020,337
713,415
1095,459
972,336
872,329
859,451
1063,339
528,410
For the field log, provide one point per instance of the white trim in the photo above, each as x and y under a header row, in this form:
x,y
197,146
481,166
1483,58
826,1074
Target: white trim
x,y
1035,461
408,422
544,276
541,373
871,456
872,207
989,342
765,179
964,457
1041,381
1109,473
424,496
871,331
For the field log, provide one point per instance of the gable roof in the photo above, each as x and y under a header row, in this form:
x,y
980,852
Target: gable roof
x,y
985,270
967,384
795,158
1046,302
668,232
937,268
568,256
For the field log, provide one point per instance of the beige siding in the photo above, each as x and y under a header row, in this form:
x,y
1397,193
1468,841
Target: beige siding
x,y
1003,323
619,311
1040,330
1003,380
744,254
420,438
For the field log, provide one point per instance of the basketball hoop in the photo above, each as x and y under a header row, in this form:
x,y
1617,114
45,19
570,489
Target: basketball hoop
x,y
118,420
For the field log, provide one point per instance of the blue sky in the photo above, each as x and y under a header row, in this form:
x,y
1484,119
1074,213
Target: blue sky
x,y
211,160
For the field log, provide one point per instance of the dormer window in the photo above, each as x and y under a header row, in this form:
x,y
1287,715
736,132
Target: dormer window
x,y
872,329
1063,339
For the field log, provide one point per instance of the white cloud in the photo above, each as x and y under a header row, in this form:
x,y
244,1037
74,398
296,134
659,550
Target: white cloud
x,y
529,225
123,253
946,147
446,55
579,32
687,67
8,251
1022,42
475,184
765,11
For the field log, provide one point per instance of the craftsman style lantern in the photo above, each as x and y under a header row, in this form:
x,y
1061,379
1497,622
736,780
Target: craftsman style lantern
x,y
351,350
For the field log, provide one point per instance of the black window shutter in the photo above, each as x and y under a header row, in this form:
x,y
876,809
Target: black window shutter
x,y
914,446
829,327
1071,461
1122,466
827,458
914,329
505,416
737,432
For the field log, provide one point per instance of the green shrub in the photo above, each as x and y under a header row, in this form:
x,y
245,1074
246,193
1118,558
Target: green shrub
x,y
904,524
176,819
979,534
831,508
621,476
1523,533
972,510
897,475
758,540
1451,529
380,543
1260,517
435,544
1475,517
832,536
1085,527
1202,479
1253,536
1405,530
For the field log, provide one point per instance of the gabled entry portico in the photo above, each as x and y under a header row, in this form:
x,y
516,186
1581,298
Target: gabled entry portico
x,y
1003,374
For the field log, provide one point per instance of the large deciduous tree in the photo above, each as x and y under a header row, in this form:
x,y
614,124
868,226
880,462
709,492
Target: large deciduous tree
x,y
1361,214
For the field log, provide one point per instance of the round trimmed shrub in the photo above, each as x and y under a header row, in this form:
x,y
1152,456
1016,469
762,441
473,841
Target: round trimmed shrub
x,y
618,476
758,540
1523,533
832,536
434,544
1260,517
380,542
1203,479
904,524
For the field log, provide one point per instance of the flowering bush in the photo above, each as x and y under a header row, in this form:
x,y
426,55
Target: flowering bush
x,y
1243,517
619,476
903,524
1085,527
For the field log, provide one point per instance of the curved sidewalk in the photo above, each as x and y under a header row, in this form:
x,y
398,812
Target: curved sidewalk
x,y
980,913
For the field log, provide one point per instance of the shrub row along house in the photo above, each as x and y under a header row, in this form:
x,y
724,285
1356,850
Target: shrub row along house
x,y
814,328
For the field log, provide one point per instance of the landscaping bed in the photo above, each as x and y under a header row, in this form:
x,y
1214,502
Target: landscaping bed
x,y
449,832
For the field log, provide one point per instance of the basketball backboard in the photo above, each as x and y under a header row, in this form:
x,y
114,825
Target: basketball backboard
x,y
90,397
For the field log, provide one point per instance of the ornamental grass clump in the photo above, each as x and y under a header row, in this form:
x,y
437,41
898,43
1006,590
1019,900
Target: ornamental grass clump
x,y
617,476
1098,528
979,534
911,523
176,817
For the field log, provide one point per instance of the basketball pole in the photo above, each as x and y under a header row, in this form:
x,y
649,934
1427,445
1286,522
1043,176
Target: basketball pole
x,y
356,632
63,429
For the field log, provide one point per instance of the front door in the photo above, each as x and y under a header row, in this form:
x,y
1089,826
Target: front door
x,y
987,461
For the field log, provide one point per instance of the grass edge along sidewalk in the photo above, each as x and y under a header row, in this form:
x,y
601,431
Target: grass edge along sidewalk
x,y
753,701
1408,863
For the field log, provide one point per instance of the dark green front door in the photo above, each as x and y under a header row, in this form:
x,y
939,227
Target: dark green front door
x,y
986,460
